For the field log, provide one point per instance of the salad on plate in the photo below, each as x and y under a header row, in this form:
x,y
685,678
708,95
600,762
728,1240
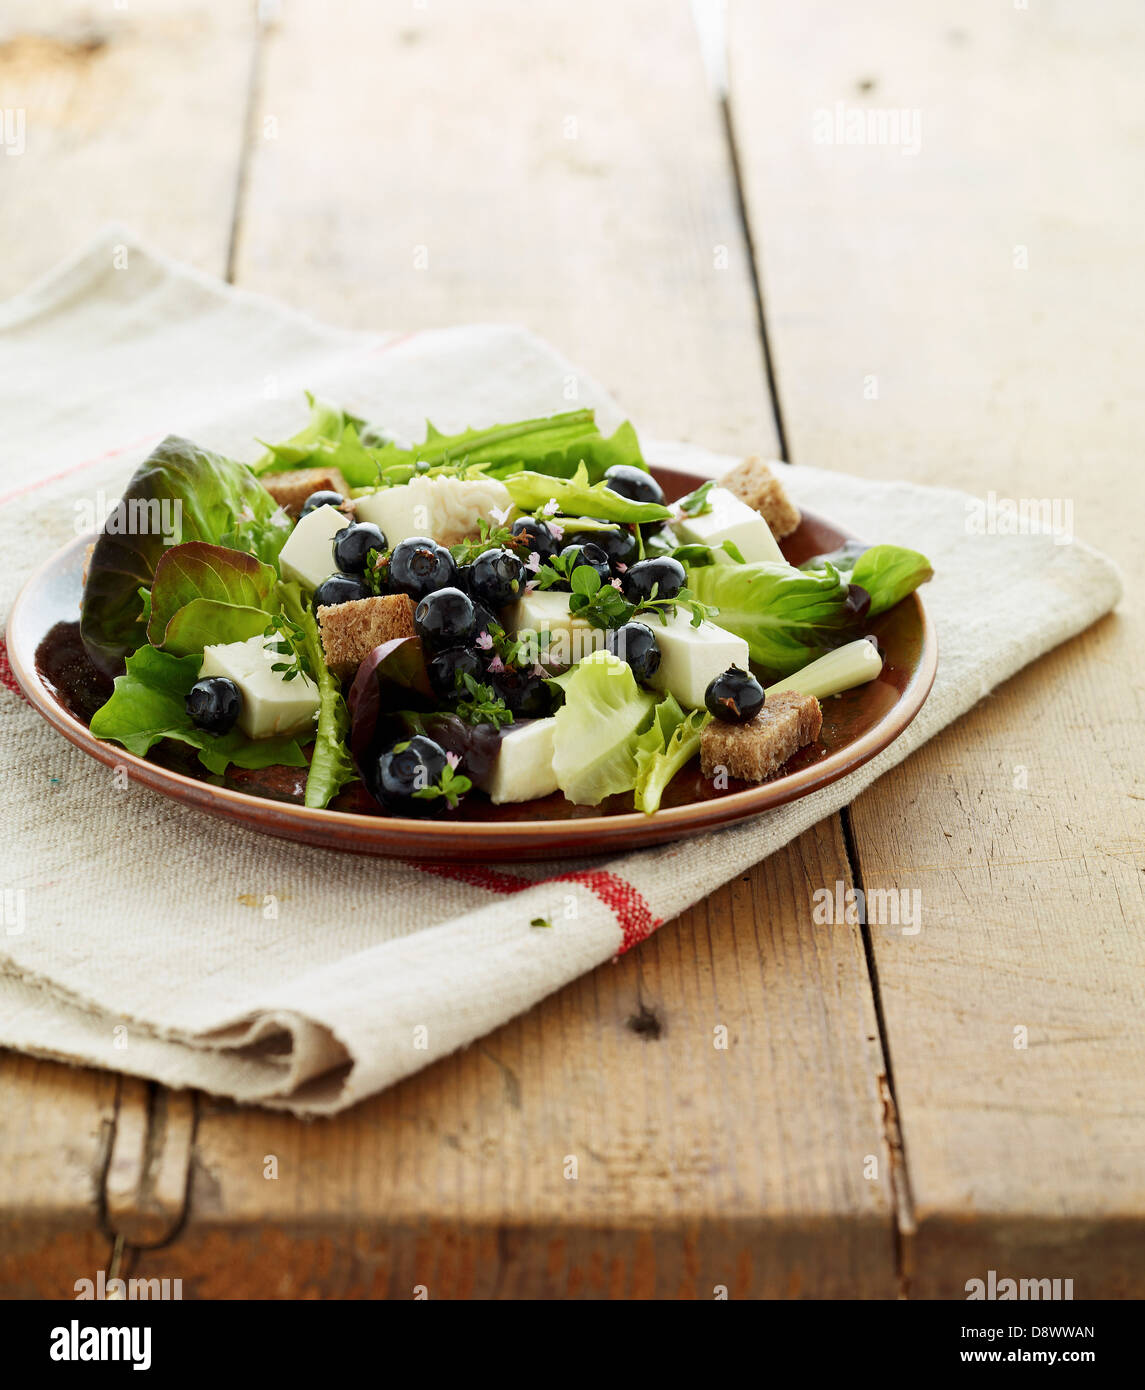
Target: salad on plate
x,y
513,612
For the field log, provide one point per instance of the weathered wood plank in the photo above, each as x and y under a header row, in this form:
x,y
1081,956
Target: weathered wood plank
x,y
132,114
560,166
54,1141
970,315
117,124
696,1165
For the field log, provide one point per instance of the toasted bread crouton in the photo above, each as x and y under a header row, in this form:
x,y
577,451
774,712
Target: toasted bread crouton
x,y
755,750
753,482
351,631
291,489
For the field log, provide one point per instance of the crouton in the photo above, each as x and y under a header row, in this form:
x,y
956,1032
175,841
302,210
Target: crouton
x,y
753,482
291,489
754,751
351,631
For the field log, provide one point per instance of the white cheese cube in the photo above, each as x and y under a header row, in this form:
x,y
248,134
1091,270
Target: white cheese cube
x,y
523,770
730,519
308,555
692,657
447,509
570,639
271,704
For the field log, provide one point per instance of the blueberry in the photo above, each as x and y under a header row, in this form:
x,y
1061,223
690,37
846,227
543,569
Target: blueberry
x,y
663,574
483,620
405,769
591,555
339,588
320,499
536,535
445,619
618,543
447,668
419,565
735,696
524,694
496,577
635,643
353,543
214,704
633,483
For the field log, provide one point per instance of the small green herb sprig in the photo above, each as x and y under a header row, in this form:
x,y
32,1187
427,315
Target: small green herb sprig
x,y
488,538
290,643
480,705
697,503
604,606
452,785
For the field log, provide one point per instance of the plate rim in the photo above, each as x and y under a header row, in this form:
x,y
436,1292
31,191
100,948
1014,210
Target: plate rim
x,y
694,816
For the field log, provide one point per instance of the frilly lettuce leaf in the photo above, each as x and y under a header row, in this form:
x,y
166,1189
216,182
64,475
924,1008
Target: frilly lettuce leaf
x,y
331,766
671,741
553,445
597,727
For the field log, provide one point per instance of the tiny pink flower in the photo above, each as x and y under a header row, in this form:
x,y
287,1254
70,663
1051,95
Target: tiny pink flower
x,y
621,566
500,516
615,583
496,664
484,641
453,759
551,507
557,529
533,563
530,585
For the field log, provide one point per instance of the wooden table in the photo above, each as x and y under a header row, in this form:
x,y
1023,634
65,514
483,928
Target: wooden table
x,y
968,314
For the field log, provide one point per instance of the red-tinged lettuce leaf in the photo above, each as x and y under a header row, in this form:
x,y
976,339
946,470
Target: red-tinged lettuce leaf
x,y
181,493
383,683
147,705
205,594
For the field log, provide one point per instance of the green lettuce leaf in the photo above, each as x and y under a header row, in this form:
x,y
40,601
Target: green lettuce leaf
x,y
181,493
787,616
204,594
331,765
579,496
671,741
887,572
555,445
147,705
597,727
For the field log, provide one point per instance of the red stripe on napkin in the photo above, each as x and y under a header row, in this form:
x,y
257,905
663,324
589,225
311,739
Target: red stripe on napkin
x,y
633,915
7,679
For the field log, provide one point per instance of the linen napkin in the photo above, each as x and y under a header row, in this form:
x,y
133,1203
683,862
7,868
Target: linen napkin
x,y
155,940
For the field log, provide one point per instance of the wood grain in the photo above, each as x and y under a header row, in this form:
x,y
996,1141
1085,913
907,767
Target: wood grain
x,y
562,166
54,1142
120,125
989,289
696,1166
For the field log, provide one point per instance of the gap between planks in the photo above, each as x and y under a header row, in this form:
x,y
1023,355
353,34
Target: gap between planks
x,y
902,1204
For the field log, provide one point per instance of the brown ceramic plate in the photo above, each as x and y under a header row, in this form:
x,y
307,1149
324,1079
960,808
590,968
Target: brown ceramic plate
x,y
45,655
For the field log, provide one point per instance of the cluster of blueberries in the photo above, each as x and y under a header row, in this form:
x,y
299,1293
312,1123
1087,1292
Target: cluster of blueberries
x,y
457,603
